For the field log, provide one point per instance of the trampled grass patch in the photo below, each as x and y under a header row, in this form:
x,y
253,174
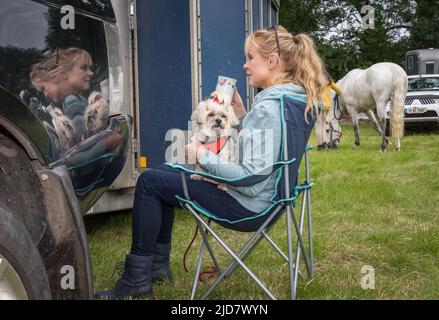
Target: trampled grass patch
x,y
369,209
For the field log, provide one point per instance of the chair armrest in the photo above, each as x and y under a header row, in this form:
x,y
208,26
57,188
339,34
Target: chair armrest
x,y
244,181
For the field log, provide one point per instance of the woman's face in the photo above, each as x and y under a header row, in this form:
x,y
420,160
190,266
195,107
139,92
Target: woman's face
x,y
258,69
79,77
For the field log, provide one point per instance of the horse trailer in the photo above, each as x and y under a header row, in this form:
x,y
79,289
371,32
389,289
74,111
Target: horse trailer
x,y
423,61
88,91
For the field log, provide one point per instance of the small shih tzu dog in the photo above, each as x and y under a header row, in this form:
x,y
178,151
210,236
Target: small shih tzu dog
x,y
96,114
214,124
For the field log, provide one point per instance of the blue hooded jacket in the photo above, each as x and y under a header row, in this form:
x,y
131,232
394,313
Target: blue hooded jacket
x,y
259,145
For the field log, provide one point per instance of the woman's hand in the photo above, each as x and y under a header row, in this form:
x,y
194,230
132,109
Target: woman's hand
x,y
238,105
57,74
194,151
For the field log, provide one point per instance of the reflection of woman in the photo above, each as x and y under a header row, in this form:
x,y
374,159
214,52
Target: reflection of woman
x,y
62,77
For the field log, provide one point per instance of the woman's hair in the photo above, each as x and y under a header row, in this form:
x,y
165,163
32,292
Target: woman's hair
x,y
299,60
65,58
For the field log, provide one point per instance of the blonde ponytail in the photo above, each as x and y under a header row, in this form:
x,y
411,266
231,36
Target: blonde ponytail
x,y
299,60
307,69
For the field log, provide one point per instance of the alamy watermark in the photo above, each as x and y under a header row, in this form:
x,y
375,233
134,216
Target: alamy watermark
x,y
368,280
68,279
247,145
68,20
369,18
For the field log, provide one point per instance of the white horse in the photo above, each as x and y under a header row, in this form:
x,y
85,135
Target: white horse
x,y
363,90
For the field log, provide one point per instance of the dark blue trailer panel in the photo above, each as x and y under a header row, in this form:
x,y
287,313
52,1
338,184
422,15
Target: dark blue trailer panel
x,y
222,43
164,73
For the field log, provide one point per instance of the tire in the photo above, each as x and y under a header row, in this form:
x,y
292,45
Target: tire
x,y
387,127
22,271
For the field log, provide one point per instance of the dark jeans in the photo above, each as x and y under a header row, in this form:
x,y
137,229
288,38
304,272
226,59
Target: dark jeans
x,y
154,202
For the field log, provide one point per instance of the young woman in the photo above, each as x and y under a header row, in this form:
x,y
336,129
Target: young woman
x,y
277,62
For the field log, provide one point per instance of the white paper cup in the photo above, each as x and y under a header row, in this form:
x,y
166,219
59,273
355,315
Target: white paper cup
x,y
226,86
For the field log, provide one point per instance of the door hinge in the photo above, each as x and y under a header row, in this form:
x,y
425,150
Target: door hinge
x,y
134,145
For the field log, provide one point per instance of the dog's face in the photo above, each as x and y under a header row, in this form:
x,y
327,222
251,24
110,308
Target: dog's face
x,y
212,118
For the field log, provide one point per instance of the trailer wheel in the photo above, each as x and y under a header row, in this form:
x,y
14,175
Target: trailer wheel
x,y
22,272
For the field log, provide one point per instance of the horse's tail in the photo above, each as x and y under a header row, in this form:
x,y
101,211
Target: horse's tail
x,y
397,103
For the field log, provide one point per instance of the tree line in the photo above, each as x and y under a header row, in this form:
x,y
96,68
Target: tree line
x,y
345,39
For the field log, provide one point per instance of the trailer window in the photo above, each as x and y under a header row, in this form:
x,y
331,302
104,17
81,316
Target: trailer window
x,y
256,17
273,14
410,62
429,67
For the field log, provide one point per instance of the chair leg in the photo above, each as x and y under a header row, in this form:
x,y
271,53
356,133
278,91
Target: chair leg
x,y
233,265
242,256
197,272
308,192
204,245
206,242
290,212
302,218
248,250
290,256
231,253
310,235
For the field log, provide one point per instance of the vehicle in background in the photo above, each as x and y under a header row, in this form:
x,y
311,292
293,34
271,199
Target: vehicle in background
x,y
422,61
64,138
422,101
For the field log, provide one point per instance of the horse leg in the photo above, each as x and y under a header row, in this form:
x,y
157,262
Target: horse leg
x,y
354,117
374,122
384,141
381,111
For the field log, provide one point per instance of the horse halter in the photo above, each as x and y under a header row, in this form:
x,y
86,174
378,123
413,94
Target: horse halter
x,y
337,108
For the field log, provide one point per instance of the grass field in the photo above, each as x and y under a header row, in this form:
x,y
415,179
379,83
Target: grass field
x,y
369,209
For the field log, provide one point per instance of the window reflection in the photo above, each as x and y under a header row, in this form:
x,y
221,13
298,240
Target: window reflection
x,y
61,75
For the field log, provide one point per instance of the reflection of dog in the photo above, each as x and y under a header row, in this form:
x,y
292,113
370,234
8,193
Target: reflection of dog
x,y
63,127
96,114
214,124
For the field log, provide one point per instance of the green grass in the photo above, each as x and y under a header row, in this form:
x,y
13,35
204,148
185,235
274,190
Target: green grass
x,y
369,208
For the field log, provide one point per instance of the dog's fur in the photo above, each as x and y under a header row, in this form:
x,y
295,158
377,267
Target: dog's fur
x,y
212,119
63,127
96,114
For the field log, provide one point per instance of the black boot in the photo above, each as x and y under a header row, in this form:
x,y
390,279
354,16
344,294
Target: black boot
x,y
135,281
160,266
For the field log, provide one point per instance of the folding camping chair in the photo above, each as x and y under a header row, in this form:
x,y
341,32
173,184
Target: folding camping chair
x,y
295,134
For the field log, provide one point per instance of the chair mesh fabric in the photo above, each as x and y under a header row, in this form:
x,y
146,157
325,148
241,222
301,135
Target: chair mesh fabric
x,y
298,130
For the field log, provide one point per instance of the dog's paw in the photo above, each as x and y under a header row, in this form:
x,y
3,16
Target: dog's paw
x,y
222,186
196,177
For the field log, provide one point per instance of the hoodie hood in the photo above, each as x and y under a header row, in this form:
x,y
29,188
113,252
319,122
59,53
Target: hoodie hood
x,y
274,92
